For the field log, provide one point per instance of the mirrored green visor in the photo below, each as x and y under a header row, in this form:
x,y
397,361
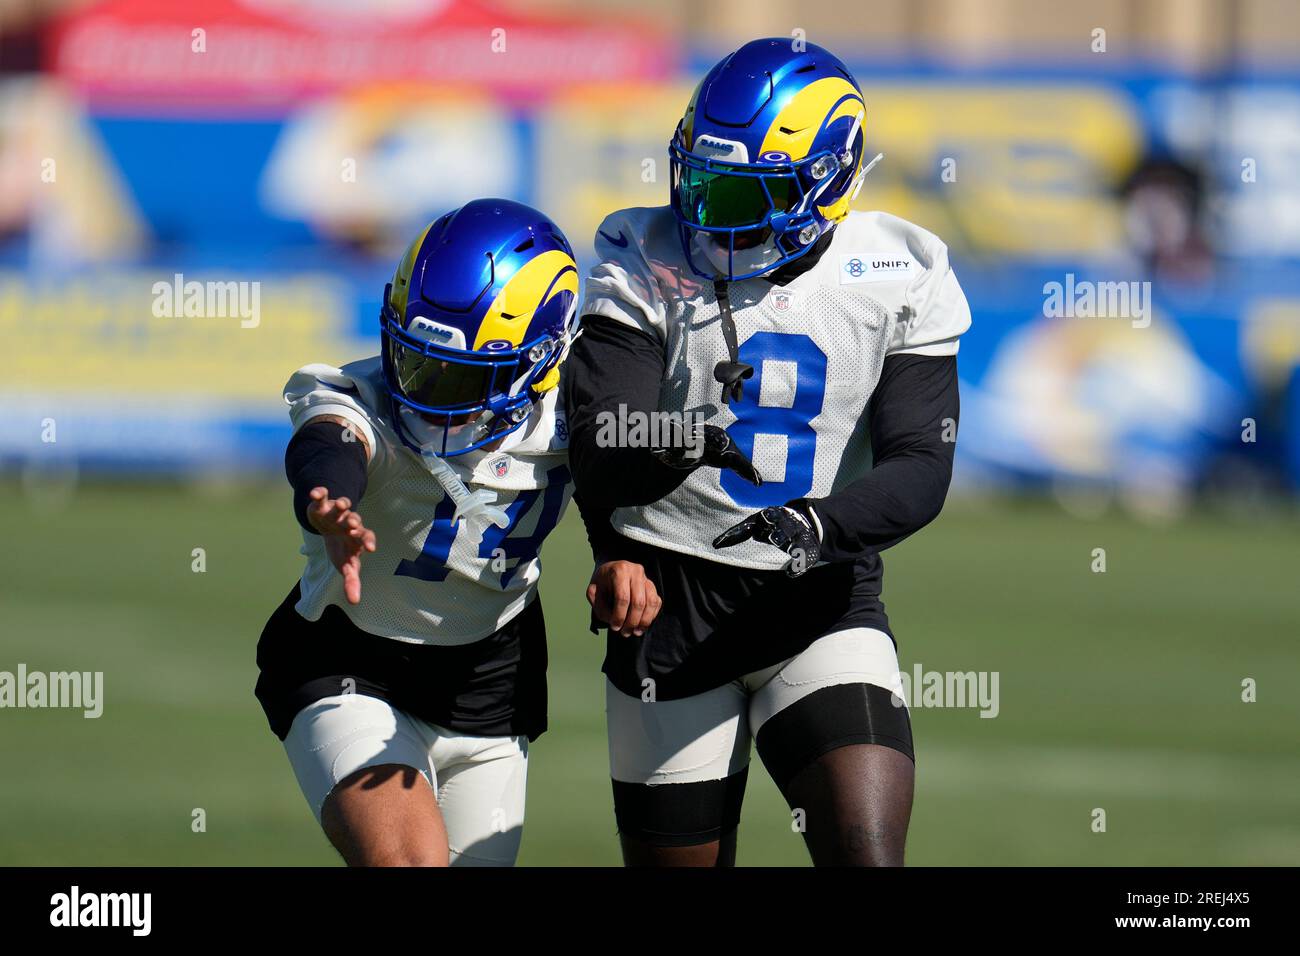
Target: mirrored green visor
x,y
723,196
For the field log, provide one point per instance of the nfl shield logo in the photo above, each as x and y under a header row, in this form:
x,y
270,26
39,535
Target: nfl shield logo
x,y
501,466
782,299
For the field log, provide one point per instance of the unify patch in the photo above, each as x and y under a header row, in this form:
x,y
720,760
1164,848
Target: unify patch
x,y
864,267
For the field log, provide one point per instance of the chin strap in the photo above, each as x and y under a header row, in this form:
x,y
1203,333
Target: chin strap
x,y
476,507
733,372
856,186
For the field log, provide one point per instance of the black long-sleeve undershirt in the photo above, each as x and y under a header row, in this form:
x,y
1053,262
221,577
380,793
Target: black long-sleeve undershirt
x,y
912,417
908,420
613,365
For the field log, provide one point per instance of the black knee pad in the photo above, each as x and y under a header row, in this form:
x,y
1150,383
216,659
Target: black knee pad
x,y
679,814
832,717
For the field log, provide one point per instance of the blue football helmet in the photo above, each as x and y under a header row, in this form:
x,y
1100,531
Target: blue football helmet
x,y
475,324
767,158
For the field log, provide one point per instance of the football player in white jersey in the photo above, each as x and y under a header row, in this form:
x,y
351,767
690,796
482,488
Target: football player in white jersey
x,y
406,671
820,344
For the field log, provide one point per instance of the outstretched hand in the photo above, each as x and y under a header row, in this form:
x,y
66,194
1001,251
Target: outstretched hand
x,y
345,537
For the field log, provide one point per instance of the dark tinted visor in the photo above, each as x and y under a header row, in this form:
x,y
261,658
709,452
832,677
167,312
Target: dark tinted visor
x,y
441,381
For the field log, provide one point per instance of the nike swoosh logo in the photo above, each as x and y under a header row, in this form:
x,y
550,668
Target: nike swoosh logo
x,y
621,241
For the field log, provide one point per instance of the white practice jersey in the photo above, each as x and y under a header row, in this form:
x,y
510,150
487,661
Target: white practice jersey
x,y
432,579
817,344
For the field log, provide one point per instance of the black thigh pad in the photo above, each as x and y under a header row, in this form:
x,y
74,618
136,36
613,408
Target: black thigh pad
x,y
680,814
828,718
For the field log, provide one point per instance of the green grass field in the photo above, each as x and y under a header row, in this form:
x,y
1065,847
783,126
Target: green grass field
x,y
1119,691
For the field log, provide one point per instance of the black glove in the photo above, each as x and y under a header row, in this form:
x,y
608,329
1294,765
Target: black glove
x,y
710,446
793,528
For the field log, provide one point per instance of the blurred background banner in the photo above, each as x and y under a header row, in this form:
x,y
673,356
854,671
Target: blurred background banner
x,y
276,51
198,198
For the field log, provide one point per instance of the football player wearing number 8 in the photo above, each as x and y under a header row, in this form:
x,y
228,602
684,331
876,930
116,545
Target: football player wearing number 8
x,y
406,671
820,344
